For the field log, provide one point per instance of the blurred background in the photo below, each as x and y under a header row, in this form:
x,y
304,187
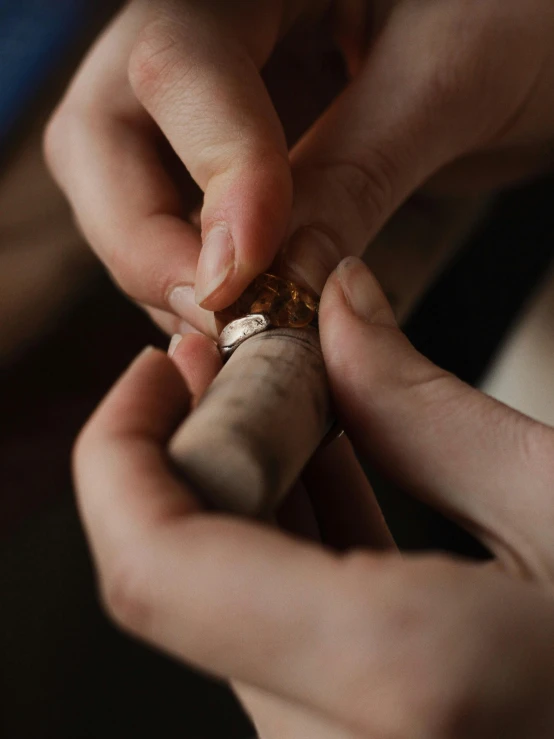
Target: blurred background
x,y
481,304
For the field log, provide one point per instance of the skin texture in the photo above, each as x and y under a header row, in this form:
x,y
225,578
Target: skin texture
x,y
356,644
450,95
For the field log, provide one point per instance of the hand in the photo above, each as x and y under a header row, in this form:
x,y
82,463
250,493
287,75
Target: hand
x,y
327,645
444,90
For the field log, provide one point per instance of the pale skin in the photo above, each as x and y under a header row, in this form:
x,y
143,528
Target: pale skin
x,y
452,95
364,643
448,95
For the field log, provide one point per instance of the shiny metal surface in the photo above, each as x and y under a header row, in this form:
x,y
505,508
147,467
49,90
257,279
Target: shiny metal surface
x,y
236,332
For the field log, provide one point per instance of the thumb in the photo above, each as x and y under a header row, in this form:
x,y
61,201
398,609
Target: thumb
x,y
417,104
469,455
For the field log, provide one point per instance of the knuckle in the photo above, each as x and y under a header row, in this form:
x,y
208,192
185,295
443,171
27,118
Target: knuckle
x,y
367,188
154,59
453,92
55,137
125,591
50,140
88,448
463,82
79,453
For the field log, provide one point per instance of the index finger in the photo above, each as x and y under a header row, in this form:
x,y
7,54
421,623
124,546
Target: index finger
x,y
201,85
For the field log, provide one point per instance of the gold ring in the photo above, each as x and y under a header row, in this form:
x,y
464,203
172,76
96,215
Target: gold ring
x,y
268,302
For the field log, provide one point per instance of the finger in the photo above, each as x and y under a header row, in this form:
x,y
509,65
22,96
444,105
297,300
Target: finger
x,y
476,459
247,603
344,503
170,323
454,691
198,360
418,103
200,83
120,455
102,149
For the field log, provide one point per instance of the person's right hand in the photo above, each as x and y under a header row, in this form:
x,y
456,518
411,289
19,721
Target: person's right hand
x,y
433,82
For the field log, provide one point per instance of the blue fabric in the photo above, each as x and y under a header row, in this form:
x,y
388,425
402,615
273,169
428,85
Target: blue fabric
x,y
33,37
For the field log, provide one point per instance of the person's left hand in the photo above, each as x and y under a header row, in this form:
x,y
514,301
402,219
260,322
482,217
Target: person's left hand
x,y
440,97
326,644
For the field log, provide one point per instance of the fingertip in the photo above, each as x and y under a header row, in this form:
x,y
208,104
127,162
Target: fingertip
x,y
363,294
193,347
188,315
361,342
332,297
335,316
352,295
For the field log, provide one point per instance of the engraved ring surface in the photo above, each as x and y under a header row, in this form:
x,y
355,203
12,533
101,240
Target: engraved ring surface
x,y
236,332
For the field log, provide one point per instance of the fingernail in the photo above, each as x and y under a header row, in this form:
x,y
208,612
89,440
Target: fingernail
x,y
310,257
363,293
186,328
216,262
181,300
173,344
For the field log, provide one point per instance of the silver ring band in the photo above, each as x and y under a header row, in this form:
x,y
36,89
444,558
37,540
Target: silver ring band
x,y
241,329
236,332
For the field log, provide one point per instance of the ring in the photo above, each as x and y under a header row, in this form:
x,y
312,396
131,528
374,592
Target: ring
x,y
236,332
268,302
